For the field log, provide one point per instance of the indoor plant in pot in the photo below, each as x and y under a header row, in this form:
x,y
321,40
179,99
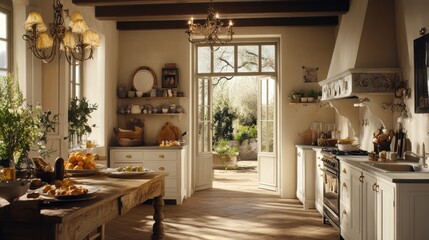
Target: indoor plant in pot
x,y
19,131
79,114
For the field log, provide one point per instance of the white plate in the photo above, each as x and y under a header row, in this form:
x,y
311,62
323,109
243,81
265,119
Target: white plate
x,y
143,80
125,173
85,171
91,191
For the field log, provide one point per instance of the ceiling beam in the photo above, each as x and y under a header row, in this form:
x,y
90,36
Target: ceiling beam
x,y
145,11
250,22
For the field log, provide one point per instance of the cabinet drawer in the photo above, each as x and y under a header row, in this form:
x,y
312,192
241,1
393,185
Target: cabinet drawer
x,y
164,166
345,171
116,156
345,192
160,155
124,164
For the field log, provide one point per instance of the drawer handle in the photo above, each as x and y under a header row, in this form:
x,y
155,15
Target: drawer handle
x,y
344,171
161,156
128,156
161,169
361,178
375,187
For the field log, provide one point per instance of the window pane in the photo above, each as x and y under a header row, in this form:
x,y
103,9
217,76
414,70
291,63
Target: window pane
x,y
3,73
3,25
224,59
204,60
264,142
268,58
3,54
248,59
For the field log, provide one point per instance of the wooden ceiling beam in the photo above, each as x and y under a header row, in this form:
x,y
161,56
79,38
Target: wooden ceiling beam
x,y
250,22
132,12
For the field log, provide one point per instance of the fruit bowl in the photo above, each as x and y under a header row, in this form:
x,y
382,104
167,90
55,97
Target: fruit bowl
x,y
14,189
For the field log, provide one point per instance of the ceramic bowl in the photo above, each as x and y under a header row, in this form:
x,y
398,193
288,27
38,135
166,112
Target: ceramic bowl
x,y
12,190
139,93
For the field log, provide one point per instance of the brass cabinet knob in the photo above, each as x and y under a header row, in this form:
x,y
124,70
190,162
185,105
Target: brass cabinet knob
x,y
128,156
344,171
161,168
161,156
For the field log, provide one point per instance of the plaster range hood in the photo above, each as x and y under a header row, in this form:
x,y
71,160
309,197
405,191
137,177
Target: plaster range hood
x,y
364,63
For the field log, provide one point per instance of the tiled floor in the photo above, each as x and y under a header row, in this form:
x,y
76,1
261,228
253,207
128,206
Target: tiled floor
x,y
233,209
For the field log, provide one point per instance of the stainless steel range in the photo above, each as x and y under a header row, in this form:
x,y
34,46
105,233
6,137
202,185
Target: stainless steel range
x,y
331,183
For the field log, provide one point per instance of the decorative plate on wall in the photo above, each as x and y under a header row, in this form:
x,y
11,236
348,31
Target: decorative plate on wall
x,y
144,79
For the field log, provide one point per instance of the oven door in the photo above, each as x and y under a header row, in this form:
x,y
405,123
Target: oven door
x,y
331,196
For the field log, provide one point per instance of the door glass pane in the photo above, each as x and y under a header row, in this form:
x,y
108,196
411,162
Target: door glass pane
x,y
3,25
248,59
268,58
204,60
201,113
3,54
200,137
270,136
224,59
3,73
264,136
206,139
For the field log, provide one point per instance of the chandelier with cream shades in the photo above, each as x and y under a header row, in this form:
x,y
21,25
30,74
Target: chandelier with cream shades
x,y
77,40
212,32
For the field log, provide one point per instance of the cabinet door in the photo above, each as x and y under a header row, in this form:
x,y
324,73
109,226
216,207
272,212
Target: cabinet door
x,y
385,211
299,173
369,207
356,180
319,182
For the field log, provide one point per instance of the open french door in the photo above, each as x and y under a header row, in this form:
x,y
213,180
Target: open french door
x,y
267,144
203,171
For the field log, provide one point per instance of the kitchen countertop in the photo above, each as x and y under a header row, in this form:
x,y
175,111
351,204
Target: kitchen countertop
x,y
155,147
395,177
308,147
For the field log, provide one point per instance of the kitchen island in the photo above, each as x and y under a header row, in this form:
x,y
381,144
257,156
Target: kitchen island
x,y
68,220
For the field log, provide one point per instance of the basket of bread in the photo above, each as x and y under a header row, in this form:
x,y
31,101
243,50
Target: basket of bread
x,y
129,138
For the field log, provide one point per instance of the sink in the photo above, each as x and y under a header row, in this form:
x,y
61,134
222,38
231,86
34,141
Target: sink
x,y
396,167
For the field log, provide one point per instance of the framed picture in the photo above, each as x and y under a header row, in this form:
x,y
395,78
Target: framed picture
x,y
170,78
309,74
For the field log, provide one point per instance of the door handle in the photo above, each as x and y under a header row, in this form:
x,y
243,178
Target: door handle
x,y
374,187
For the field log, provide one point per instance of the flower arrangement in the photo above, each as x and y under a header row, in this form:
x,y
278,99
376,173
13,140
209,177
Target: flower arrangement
x,y
19,122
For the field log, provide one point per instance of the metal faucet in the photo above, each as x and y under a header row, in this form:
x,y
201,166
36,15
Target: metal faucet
x,y
424,164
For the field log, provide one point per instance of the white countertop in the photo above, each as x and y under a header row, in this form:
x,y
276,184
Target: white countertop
x,y
396,177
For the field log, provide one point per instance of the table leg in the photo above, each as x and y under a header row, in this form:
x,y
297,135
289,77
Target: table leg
x,y
158,216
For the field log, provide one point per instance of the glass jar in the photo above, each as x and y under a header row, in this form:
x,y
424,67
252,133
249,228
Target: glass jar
x,y
8,171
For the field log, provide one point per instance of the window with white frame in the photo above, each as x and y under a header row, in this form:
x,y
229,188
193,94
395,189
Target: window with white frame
x,y
76,81
5,39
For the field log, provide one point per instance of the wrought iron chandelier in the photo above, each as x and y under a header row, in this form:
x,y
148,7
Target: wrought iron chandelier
x,y
212,32
77,41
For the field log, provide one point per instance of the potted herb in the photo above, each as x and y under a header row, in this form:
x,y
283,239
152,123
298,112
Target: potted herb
x,y
224,156
78,116
19,125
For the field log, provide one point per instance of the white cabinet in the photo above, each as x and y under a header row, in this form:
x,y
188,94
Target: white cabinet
x,y
379,216
318,181
350,201
305,176
171,160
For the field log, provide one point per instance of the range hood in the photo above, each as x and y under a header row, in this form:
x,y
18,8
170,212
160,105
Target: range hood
x,y
365,59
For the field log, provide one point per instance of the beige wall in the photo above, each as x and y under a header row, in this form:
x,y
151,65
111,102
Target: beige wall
x,y
411,16
299,46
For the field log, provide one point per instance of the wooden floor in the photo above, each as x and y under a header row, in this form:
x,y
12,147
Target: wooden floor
x,y
233,209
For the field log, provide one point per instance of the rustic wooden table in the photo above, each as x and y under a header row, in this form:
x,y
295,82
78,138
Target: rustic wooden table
x,y
77,220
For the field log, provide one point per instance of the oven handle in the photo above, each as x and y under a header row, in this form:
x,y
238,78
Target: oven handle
x,y
327,171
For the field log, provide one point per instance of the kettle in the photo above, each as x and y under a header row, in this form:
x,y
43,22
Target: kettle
x,y
135,109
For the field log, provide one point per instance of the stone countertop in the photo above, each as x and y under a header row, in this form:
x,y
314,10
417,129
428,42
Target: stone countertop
x,y
155,147
309,147
395,177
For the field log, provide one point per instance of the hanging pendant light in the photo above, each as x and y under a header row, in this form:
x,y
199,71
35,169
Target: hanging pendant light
x,y
212,32
77,41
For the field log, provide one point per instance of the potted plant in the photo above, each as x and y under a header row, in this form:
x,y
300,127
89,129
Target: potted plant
x,y
224,156
78,116
295,96
19,126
